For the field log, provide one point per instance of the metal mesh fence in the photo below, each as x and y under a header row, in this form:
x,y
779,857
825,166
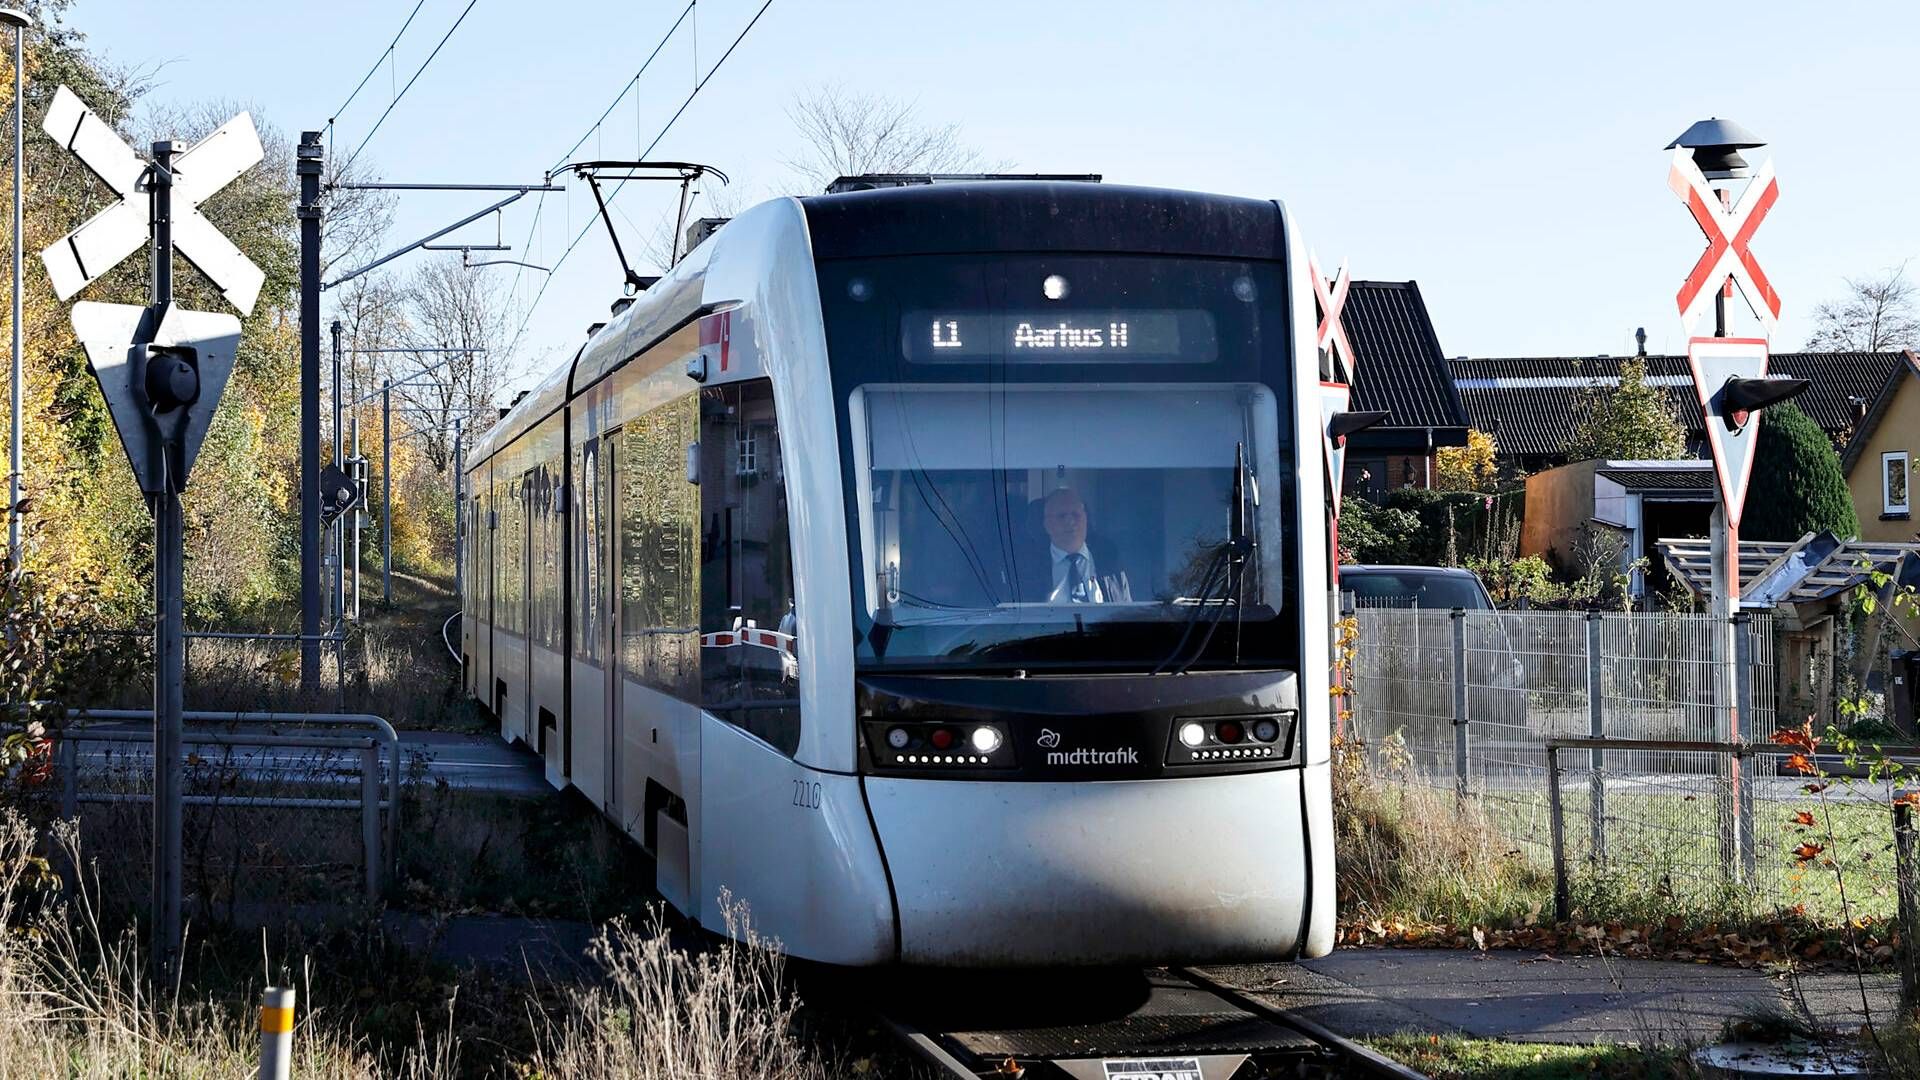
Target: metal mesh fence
x,y
1468,700
269,821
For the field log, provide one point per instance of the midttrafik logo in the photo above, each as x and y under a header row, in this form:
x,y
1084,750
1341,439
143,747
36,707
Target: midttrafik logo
x,y
1050,741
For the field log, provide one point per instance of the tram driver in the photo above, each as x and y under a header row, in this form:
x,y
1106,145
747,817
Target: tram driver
x,y
1073,570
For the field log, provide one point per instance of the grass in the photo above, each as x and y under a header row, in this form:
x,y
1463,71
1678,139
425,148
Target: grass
x,y
1447,1057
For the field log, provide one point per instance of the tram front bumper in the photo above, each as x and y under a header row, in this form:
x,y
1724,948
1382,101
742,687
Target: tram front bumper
x,y
1186,870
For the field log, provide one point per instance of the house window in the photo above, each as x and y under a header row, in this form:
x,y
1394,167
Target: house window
x,y
747,459
1894,497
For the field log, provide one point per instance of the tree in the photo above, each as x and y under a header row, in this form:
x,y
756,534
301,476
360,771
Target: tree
x,y
1797,475
451,306
1466,468
1631,422
1877,314
847,134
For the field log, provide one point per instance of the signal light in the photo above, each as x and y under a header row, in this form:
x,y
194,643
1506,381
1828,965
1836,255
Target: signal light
x,y
1228,732
898,738
941,739
1192,734
1266,730
985,739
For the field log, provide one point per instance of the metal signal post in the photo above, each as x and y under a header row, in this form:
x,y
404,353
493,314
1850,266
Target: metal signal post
x,y
308,165
169,633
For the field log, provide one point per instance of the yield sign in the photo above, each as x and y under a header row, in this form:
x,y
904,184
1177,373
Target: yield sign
x,y
118,231
160,445
1730,433
1335,398
1332,334
1729,232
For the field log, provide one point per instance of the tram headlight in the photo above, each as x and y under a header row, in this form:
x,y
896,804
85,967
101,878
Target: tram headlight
x,y
985,740
899,738
1266,730
1192,734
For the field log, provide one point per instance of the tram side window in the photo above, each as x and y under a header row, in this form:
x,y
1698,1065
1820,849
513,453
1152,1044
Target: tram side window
x,y
510,571
749,666
588,537
659,514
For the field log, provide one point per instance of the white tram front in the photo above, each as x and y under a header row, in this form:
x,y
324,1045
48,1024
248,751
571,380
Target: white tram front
x,y
939,571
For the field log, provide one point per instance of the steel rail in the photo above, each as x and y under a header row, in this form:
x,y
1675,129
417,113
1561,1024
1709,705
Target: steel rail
x,y
1366,1061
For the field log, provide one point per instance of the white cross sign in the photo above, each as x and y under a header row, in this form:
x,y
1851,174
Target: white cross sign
x,y
1332,334
118,231
1729,231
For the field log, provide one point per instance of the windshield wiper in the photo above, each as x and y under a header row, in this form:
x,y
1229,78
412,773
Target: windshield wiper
x,y
1230,557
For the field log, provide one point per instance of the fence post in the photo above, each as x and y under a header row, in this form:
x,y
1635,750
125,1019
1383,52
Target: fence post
x,y
1906,881
276,1033
1742,771
370,817
69,776
1461,747
1597,727
1557,825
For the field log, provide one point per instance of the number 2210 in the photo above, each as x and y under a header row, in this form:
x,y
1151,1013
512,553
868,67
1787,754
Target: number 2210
x,y
806,795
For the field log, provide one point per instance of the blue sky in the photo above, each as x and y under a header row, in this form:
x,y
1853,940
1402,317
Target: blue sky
x,y
1506,156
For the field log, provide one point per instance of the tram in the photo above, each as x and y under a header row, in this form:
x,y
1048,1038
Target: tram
x,y
940,572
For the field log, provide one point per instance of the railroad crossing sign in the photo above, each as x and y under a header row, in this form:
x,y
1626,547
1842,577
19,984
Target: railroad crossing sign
x,y
121,229
1331,336
1729,231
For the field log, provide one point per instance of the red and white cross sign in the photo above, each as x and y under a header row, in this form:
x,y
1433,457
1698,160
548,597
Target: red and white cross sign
x,y
1729,231
1331,298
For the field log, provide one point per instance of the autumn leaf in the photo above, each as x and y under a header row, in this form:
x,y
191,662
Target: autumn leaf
x,y
1815,789
1909,798
1808,851
1804,817
1799,763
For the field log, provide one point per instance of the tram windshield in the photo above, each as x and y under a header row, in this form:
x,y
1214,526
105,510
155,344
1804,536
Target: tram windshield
x,y
1024,496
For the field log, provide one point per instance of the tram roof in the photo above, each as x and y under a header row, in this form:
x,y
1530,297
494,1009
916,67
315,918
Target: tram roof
x,y
1020,215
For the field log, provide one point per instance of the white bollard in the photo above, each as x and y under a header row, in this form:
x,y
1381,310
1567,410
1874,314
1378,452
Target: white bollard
x,y
276,1033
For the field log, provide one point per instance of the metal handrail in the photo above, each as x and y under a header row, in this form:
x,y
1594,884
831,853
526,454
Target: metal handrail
x,y
377,723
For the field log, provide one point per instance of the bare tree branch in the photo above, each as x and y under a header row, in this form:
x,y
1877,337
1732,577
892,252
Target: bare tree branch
x,y
1877,314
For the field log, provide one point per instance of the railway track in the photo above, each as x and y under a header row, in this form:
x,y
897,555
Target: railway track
x,y
1162,1024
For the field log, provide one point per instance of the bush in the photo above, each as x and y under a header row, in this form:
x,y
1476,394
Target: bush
x,y
1797,475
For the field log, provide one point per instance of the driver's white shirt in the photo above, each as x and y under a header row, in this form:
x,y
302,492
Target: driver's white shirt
x,y
1059,593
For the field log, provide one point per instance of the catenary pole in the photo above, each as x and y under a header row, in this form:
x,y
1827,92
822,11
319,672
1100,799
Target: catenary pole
x,y
386,493
169,640
19,20
337,547
310,157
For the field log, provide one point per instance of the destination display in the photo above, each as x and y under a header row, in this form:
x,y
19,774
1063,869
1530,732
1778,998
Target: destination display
x,y
1154,336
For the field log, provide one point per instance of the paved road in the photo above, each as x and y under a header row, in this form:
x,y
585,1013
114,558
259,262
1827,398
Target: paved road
x,y
1533,997
465,761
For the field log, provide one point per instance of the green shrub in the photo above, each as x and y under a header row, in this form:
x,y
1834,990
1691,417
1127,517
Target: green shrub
x,y
1797,486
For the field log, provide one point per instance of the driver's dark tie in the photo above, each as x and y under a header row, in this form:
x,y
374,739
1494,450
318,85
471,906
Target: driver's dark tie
x,y
1077,590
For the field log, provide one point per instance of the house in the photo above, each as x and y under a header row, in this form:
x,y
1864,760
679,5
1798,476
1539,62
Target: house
x,y
1403,371
1533,405
1809,586
1613,512
1880,459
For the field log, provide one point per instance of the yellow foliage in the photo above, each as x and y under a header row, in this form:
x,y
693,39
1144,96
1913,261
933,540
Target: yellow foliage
x,y
1466,468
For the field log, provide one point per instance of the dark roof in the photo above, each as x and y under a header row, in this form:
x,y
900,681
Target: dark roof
x,y
1533,404
1402,368
1863,432
1663,479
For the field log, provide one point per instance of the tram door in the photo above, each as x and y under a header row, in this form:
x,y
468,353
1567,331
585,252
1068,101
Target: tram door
x,y
609,479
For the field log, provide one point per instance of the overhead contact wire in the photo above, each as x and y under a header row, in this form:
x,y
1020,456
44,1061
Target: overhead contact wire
x,y
622,184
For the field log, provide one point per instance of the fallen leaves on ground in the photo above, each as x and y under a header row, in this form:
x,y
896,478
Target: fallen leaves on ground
x,y
1756,946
